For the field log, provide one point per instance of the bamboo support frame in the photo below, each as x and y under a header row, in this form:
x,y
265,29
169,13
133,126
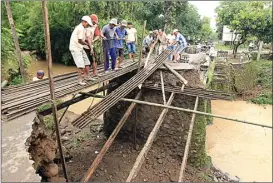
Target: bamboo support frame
x,y
141,156
183,80
188,143
109,141
162,87
140,52
51,85
16,42
186,110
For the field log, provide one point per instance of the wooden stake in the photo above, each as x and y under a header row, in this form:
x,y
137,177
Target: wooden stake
x,y
140,52
148,144
16,42
162,86
109,141
188,143
185,110
183,80
51,84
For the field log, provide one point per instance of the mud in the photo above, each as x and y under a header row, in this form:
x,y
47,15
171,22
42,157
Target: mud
x,y
42,149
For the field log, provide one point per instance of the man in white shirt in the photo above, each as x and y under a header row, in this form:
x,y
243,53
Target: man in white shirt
x,y
131,40
171,39
162,40
77,41
40,75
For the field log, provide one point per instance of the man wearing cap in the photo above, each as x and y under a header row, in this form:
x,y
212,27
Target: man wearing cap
x,y
122,34
131,40
39,75
147,43
162,41
108,33
180,43
77,41
92,35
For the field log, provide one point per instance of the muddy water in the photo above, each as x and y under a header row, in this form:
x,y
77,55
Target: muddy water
x,y
239,149
56,68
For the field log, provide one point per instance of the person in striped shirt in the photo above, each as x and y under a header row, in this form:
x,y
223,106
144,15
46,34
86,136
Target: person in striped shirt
x,y
180,44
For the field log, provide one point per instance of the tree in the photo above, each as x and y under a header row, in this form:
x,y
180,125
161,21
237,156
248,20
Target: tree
x,y
246,19
205,32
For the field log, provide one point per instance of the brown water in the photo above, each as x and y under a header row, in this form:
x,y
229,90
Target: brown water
x,y
56,68
239,149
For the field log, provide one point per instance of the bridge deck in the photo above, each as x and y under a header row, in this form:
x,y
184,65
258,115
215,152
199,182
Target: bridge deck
x,y
20,100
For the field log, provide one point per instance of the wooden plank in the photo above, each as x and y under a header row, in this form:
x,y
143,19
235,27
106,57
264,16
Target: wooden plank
x,y
140,159
109,141
188,143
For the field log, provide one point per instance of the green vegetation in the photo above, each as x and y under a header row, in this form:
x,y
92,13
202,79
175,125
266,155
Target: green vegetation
x,y
48,105
248,19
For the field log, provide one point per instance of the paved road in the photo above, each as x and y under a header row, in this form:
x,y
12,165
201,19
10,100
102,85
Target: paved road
x,y
16,166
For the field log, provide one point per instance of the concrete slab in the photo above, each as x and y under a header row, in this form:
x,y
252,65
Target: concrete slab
x,y
181,66
16,166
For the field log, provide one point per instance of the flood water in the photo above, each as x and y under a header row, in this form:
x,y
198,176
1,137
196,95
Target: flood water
x,y
56,68
239,149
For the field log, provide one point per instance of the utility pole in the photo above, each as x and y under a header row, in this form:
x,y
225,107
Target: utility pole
x,y
51,84
16,42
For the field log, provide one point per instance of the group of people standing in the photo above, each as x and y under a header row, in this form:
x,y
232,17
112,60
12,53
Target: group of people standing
x,y
159,40
114,38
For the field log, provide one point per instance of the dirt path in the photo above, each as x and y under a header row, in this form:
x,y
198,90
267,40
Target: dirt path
x,y
16,166
240,149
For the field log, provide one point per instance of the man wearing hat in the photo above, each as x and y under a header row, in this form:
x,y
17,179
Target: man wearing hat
x,y
77,42
147,43
131,40
121,33
108,33
92,35
180,43
39,75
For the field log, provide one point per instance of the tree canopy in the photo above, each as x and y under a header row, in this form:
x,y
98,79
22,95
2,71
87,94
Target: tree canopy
x,y
247,19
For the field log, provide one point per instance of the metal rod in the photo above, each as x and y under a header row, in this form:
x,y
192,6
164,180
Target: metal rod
x,y
188,110
188,143
144,151
109,141
16,42
162,87
176,74
140,52
51,85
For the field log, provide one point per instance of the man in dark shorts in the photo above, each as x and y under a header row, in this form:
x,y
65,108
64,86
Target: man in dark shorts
x,y
122,33
92,35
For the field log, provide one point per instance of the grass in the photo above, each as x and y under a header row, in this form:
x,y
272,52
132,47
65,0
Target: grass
x,y
210,74
263,99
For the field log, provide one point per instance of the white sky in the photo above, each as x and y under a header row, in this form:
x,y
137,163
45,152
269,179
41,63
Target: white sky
x,y
207,8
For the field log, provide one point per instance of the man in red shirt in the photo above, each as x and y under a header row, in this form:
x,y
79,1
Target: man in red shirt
x,y
92,35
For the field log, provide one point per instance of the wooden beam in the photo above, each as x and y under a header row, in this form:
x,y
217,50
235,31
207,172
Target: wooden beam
x,y
148,144
183,80
140,52
162,87
109,141
187,110
16,42
188,143
51,84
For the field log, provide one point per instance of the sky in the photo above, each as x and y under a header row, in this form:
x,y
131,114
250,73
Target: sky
x,y
207,8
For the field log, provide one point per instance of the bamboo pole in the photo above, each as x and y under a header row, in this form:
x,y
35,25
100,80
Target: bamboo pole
x,y
109,141
51,84
162,87
186,110
144,151
141,43
16,42
183,80
188,143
